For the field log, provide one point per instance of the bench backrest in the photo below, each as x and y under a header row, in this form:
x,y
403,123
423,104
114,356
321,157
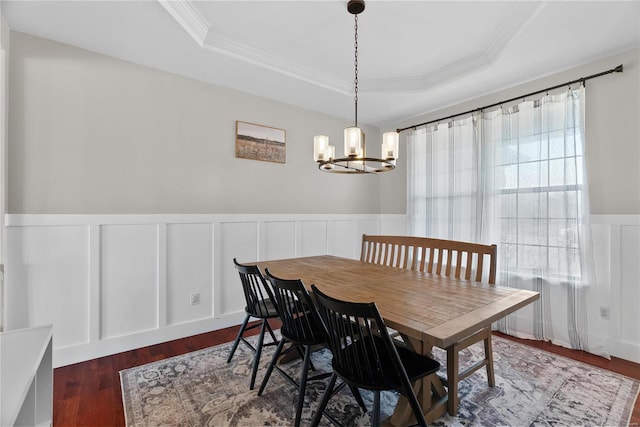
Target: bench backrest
x,y
462,260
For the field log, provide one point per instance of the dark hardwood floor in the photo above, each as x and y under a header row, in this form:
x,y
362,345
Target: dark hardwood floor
x,y
88,393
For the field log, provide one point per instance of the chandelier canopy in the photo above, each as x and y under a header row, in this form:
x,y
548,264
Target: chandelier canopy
x,y
355,158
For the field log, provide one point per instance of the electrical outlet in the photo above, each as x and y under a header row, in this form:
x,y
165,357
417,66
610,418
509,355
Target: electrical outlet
x,y
194,299
604,312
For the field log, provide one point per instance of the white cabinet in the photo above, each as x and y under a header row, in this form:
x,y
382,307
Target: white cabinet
x,y
26,377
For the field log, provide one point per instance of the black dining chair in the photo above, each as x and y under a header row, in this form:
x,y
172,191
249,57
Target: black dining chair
x,y
364,355
260,305
302,328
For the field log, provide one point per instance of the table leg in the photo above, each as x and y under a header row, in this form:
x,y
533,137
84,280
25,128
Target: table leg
x,y
452,380
429,390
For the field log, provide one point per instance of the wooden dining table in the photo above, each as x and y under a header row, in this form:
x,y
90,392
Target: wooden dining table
x,y
426,309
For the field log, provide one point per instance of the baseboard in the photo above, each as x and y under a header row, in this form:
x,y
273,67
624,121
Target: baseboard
x,y
93,350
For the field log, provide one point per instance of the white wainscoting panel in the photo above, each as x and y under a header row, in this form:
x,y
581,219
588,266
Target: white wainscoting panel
x,y
629,298
129,279
48,281
312,238
278,240
344,239
111,283
616,241
395,225
237,240
189,271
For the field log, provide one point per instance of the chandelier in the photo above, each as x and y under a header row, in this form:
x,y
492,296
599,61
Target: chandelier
x,y
355,158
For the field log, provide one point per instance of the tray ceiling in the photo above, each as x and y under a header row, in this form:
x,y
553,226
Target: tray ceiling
x,y
415,56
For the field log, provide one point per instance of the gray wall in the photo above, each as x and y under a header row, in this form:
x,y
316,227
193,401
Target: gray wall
x,y
612,129
92,134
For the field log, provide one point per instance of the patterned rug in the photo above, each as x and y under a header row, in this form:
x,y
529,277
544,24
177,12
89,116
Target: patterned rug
x,y
533,387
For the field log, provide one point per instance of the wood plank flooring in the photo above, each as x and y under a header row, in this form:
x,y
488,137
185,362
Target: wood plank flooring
x,y
88,394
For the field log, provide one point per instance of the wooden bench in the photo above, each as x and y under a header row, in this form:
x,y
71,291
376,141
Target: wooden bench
x,y
443,257
463,260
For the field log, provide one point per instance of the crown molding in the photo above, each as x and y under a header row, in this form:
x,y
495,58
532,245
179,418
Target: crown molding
x,y
281,65
521,15
189,17
510,27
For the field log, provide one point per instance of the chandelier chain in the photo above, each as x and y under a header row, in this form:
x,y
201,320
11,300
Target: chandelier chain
x,y
356,69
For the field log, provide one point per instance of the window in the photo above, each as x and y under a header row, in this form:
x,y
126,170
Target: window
x,y
538,186
514,176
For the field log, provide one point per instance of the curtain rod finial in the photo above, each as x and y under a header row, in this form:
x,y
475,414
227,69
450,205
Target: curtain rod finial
x,y
618,69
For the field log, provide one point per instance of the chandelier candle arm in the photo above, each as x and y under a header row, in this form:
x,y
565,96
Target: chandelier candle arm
x,y
355,160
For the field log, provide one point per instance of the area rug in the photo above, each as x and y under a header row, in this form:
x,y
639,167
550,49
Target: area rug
x,y
533,387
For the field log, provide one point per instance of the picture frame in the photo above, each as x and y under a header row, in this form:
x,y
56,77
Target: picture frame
x,y
260,142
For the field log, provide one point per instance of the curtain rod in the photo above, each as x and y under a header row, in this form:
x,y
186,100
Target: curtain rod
x,y
617,69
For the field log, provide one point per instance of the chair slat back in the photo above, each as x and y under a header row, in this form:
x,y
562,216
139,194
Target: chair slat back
x,y
300,321
257,291
359,342
462,260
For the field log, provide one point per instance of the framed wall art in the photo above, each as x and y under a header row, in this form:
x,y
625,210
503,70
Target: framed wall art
x,y
258,142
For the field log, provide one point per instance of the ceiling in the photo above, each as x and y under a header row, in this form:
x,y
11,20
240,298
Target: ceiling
x,y
414,56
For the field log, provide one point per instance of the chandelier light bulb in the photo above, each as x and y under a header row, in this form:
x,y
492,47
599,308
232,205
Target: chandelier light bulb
x,y
390,145
321,148
353,142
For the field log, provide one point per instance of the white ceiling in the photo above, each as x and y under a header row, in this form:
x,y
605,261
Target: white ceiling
x,y
415,56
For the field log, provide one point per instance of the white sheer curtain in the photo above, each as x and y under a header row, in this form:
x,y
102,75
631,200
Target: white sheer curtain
x,y
516,177
445,197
